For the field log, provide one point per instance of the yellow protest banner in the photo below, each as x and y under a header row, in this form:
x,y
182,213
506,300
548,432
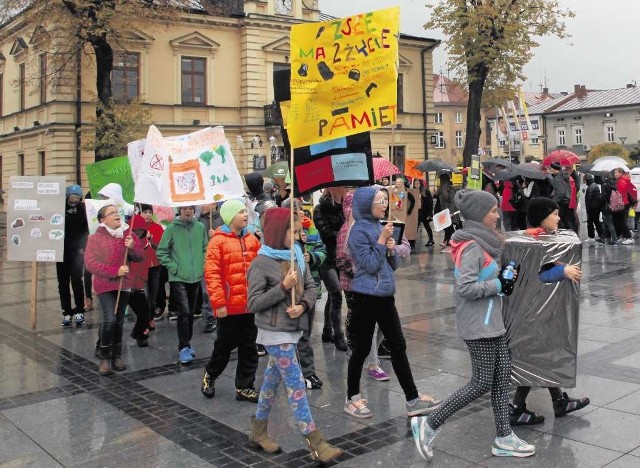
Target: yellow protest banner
x,y
344,75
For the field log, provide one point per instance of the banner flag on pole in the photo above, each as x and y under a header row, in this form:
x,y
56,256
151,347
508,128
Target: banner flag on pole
x,y
525,111
516,118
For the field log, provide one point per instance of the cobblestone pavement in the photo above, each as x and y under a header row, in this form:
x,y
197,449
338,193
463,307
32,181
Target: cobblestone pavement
x,y
55,409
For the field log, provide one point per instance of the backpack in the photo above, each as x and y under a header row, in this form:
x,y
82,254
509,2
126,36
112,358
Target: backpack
x,y
616,203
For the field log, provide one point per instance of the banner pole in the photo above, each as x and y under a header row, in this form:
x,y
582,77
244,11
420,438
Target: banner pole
x,y
291,221
124,263
34,294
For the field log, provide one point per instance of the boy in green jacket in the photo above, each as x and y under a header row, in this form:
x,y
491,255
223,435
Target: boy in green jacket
x,y
181,251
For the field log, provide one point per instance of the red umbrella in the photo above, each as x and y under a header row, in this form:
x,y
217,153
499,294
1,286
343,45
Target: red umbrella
x,y
563,157
383,168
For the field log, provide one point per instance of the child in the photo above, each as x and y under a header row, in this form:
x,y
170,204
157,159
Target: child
x,y
280,325
154,235
372,249
139,274
474,249
229,254
543,216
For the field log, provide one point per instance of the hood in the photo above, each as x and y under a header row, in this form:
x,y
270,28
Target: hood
x,y
180,222
255,183
362,201
111,190
138,222
456,250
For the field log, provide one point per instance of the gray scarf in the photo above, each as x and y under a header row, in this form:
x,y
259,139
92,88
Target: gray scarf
x,y
489,239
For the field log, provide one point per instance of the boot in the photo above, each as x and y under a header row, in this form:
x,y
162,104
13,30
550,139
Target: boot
x,y
327,336
105,360
260,438
341,344
116,362
320,449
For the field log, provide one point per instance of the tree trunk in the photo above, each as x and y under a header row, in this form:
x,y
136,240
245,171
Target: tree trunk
x,y
478,76
104,113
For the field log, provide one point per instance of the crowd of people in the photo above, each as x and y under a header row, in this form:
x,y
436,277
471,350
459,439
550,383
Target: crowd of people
x,y
255,273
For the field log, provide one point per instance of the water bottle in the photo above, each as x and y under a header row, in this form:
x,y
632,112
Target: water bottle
x,y
510,272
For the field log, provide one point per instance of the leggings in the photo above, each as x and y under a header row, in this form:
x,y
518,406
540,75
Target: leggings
x,y
283,365
490,370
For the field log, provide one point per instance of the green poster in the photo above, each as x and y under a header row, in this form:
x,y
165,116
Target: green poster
x,y
115,170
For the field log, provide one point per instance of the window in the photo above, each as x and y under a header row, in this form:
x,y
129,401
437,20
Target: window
x,y
610,133
535,141
561,139
1,92
502,143
397,156
22,83
577,135
438,118
440,139
20,163
125,76
194,72
458,117
400,92
458,138
41,170
43,78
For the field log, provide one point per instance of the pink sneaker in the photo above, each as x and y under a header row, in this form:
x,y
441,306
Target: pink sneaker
x,y
378,374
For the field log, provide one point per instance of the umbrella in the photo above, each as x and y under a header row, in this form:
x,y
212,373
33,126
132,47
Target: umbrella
x,y
497,162
528,171
435,165
607,165
277,170
564,157
383,168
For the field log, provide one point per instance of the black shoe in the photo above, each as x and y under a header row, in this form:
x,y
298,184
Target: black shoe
x,y
521,416
197,314
260,350
210,326
566,405
429,244
383,351
173,316
313,382
327,337
158,314
247,394
341,344
208,387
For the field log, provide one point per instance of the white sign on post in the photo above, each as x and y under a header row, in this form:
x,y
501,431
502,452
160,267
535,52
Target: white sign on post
x,y
35,219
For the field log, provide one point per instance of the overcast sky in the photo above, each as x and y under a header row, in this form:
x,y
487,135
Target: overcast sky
x,y
601,54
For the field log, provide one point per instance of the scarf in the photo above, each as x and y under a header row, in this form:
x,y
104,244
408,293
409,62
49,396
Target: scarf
x,y
489,239
117,233
285,255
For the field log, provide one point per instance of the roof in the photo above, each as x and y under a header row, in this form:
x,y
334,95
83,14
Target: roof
x,y
533,97
600,99
446,91
547,105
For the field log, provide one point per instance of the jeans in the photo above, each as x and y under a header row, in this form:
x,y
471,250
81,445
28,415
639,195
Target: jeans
x,y
207,310
112,321
510,220
609,226
305,351
140,306
593,223
333,306
153,286
236,331
365,313
70,271
185,295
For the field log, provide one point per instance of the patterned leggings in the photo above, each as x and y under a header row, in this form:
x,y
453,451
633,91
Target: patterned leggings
x,y
490,370
283,365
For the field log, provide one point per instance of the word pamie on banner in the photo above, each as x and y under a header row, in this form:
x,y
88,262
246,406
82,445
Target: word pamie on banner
x,y
192,169
344,76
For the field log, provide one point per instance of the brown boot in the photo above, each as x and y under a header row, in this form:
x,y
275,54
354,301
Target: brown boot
x,y
116,362
105,367
260,438
320,449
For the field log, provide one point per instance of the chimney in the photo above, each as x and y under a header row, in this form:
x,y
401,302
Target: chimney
x,y
631,85
580,91
545,91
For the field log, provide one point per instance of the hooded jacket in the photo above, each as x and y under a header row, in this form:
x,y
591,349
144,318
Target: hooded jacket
x,y
327,216
627,190
76,230
561,188
182,249
373,270
593,195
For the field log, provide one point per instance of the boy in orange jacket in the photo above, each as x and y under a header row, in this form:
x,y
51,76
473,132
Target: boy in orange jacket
x,y
229,254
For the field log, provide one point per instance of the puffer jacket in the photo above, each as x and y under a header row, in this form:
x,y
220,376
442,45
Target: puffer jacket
x,y
478,307
593,197
561,192
226,267
327,216
104,256
181,250
373,270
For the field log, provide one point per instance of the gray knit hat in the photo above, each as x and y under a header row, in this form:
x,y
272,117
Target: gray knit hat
x,y
474,204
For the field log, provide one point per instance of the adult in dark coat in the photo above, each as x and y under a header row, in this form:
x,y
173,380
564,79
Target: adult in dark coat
x,y
425,215
593,205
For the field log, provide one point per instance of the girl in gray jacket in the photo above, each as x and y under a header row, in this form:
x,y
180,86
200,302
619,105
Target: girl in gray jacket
x,y
479,283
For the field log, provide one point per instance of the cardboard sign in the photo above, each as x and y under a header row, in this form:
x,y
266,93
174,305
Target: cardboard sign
x,y
442,220
35,219
115,170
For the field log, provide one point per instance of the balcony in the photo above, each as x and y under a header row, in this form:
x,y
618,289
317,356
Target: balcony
x,y
272,117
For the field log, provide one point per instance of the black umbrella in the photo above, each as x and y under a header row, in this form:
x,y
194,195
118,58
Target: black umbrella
x,y
533,171
435,165
497,162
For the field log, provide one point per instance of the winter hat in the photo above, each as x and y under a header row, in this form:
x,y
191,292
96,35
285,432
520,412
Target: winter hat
x,y
588,178
268,187
555,165
474,204
74,189
145,207
229,209
539,208
138,222
275,222
111,190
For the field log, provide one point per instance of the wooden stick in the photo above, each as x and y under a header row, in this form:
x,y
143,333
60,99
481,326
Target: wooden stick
x,y
126,254
292,210
34,294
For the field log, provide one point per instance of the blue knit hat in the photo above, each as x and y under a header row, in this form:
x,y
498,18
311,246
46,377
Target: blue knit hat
x,y
74,189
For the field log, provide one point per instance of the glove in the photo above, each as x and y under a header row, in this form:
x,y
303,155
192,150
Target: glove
x,y
507,285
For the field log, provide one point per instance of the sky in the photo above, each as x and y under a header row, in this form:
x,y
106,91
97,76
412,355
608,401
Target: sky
x,y
601,52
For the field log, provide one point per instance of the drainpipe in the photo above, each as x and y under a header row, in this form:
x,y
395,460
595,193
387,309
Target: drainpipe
x,y
425,137
78,123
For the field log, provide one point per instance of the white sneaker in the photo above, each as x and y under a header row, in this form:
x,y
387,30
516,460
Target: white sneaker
x,y
626,241
512,446
357,406
78,319
423,436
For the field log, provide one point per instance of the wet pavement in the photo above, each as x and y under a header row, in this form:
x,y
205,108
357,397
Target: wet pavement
x,y
56,411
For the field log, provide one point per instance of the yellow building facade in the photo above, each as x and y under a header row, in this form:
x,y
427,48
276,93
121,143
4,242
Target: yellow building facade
x,y
201,70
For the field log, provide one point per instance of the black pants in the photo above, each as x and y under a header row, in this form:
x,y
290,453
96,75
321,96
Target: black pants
x,y
71,271
185,295
490,370
609,226
333,306
593,224
236,331
510,220
620,222
520,397
521,220
153,287
574,222
305,350
365,313
161,296
140,306
448,232
112,322
427,226
88,293
565,216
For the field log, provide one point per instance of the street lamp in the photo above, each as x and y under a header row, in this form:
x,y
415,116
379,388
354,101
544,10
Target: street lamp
x,y
622,140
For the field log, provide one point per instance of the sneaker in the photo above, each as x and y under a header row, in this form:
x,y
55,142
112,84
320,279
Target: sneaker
x,y
600,240
185,356
261,350
79,319
158,314
357,406
66,320
423,436
145,333
512,446
429,244
152,325
378,374
173,316
521,416
614,243
247,394
424,404
88,304
626,241
567,405
383,351
313,382
210,326
446,249
589,240
192,351
197,314
208,387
